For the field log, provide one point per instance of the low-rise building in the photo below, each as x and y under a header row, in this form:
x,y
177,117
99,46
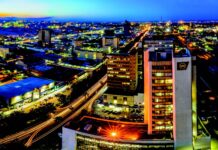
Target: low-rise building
x,y
28,89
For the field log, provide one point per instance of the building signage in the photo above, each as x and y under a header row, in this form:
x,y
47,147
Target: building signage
x,y
182,65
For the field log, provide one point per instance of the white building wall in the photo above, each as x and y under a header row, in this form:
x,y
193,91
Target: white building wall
x,y
182,101
68,139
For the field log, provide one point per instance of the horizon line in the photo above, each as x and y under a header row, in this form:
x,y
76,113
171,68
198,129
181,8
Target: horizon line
x,y
99,20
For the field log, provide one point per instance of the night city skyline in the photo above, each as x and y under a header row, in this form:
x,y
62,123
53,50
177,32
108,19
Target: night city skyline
x,y
108,75
113,10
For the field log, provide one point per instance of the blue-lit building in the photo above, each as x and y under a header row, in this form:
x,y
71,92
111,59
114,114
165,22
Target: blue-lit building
x,y
24,90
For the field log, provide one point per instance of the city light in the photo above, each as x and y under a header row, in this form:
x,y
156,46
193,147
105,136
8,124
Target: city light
x,y
112,74
113,134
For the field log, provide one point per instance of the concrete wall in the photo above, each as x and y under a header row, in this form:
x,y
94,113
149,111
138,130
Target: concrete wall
x,y
182,101
68,139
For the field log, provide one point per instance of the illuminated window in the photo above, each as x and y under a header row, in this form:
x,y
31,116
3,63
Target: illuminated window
x,y
125,83
168,94
159,94
169,87
122,69
159,74
28,95
169,81
159,81
157,106
94,56
16,100
159,127
123,76
156,100
159,122
51,85
86,55
115,101
110,75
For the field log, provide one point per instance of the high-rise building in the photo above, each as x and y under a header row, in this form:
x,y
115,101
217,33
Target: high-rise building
x,y
127,28
182,98
122,71
44,37
168,99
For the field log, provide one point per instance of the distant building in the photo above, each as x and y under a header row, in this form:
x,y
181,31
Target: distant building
x,y
1,40
127,28
109,39
3,52
44,37
79,41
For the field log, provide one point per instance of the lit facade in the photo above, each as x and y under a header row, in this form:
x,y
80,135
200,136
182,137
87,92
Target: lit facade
x,y
122,71
128,100
3,52
158,91
25,90
168,91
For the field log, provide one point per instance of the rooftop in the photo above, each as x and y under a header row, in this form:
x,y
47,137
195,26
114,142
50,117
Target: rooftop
x,y
59,73
113,129
182,53
53,57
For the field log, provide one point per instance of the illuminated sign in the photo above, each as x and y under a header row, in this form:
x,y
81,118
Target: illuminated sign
x,y
182,65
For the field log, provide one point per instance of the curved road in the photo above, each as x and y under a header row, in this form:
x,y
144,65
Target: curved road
x,y
26,133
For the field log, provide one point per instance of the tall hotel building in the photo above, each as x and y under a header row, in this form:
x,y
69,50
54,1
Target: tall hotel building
x,y
168,90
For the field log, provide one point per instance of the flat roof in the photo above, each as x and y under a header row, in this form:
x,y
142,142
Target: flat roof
x,y
20,87
182,53
42,68
101,127
59,73
52,57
